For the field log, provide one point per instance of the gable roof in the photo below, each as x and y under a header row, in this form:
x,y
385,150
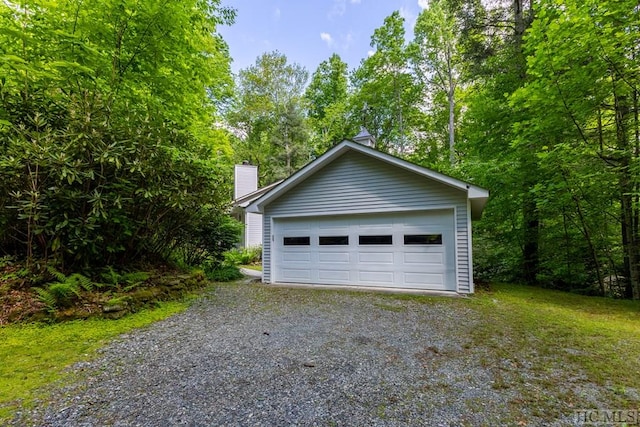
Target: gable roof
x,y
244,201
477,196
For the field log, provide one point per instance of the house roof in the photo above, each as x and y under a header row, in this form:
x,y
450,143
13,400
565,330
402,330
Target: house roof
x,y
244,201
477,196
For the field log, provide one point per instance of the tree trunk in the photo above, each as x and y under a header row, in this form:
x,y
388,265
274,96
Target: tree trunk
x,y
530,213
630,242
451,94
628,189
531,235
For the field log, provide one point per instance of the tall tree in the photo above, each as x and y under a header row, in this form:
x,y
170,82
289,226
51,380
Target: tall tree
x,y
328,85
385,89
437,59
327,104
494,39
269,94
106,146
290,142
591,109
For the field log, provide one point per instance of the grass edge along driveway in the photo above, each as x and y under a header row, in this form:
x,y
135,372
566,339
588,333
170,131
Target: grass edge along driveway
x,y
35,356
597,336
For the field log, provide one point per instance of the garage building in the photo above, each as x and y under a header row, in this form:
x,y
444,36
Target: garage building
x,y
359,217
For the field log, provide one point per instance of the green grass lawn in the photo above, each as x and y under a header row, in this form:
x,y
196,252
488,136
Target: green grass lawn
x,y
599,334
571,342
36,355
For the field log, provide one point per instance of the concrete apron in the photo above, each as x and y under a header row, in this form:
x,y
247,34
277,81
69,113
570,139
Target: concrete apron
x,y
366,289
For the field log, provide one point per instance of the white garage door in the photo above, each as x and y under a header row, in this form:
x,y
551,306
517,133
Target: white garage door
x,y
409,250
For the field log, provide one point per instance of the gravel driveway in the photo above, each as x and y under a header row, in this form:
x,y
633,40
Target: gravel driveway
x,y
250,355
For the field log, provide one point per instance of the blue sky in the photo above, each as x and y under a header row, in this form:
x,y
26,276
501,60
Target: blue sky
x,y
309,31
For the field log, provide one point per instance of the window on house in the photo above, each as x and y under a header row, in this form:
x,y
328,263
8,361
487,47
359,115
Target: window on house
x,y
375,240
297,241
334,240
423,239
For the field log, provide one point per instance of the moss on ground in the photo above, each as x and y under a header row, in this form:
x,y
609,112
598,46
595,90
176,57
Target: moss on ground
x,y
36,355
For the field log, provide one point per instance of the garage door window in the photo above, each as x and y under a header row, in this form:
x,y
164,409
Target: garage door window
x,y
423,239
334,240
376,240
297,241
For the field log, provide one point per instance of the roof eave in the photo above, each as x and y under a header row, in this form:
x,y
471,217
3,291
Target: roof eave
x,y
478,196
309,169
247,199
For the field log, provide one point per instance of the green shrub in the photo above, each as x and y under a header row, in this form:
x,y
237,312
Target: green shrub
x,y
58,295
115,177
134,279
244,256
221,272
80,281
207,236
128,280
110,276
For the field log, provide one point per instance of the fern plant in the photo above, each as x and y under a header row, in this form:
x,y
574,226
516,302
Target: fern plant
x,y
134,279
65,291
111,277
60,277
47,298
80,281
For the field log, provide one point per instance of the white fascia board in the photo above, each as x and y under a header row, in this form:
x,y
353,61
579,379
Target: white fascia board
x,y
478,198
245,200
478,193
472,191
309,169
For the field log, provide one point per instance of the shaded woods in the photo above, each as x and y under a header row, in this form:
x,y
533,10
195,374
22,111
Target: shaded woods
x,y
113,151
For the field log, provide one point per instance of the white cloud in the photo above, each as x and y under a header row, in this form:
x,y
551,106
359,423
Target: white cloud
x,y
347,41
338,9
409,19
423,4
356,1
277,13
327,38
371,52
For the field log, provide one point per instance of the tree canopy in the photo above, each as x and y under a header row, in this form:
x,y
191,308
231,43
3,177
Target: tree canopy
x,y
108,148
113,150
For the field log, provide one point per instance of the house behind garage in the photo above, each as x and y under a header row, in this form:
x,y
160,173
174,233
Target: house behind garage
x,y
359,217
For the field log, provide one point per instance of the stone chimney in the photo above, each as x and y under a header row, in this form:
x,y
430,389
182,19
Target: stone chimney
x,y
365,138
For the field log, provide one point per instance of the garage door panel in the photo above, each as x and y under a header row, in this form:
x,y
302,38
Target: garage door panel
x,y
328,228
432,279
289,274
426,221
420,258
296,257
342,261
334,257
297,229
376,277
375,258
371,226
335,275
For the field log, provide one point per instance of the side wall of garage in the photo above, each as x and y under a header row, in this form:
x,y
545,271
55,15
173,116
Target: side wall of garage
x,y
356,184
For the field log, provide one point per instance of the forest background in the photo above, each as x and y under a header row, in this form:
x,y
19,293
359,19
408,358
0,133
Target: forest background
x,y
120,123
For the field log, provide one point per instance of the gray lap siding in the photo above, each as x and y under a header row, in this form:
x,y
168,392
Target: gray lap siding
x,y
357,184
